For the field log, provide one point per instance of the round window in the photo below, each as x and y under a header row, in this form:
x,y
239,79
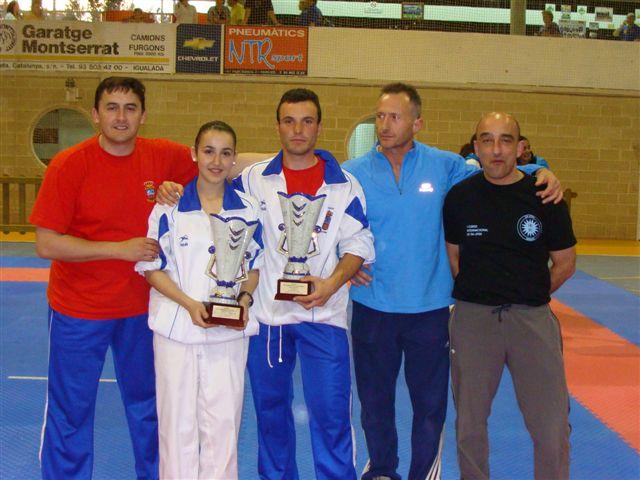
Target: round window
x,y
59,129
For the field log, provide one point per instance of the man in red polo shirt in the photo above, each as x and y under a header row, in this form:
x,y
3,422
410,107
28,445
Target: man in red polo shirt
x,y
91,220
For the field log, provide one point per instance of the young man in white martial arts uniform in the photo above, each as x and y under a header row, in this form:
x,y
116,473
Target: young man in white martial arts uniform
x,y
312,328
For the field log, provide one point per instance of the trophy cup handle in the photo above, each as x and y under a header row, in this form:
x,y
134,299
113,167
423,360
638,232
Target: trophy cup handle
x,y
209,271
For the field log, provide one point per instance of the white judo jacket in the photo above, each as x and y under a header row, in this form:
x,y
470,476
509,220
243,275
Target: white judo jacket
x,y
343,228
184,234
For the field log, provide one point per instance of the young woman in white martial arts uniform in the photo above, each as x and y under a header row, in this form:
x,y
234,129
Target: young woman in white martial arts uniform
x,y
199,368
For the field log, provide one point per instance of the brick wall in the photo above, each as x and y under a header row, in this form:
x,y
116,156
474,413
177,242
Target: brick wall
x,y
590,138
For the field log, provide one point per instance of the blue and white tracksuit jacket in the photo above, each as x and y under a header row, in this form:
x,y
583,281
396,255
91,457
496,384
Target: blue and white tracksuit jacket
x,y
343,229
184,234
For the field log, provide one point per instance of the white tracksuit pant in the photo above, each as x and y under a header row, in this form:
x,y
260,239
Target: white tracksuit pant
x,y
199,391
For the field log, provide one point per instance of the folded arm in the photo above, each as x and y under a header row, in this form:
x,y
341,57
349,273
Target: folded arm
x,y
563,266
453,252
57,246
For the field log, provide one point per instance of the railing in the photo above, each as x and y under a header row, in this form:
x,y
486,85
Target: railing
x,y
20,184
597,19
15,188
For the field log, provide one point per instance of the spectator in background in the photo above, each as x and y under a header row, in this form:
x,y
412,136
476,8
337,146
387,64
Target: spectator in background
x,y
468,153
13,11
550,28
628,31
218,14
310,14
528,157
237,12
139,16
259,12
37,12
185,13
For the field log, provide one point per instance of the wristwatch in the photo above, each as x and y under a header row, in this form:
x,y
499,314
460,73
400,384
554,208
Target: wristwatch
x,y
242,294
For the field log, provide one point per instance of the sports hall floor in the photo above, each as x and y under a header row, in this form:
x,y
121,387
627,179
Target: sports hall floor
x,y
599,309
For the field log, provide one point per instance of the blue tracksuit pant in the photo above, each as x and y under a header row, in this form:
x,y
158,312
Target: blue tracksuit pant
x,y
379,342
324,363
77,350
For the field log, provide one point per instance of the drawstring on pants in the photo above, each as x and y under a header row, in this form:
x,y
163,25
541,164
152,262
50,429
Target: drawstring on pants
x,y
500,309
269,346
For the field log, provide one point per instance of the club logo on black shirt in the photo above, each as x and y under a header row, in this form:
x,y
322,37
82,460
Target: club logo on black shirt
x,y
529,228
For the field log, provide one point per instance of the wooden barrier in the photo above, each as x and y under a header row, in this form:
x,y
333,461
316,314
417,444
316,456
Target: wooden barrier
x,y
16,189
16,220
568,195
125,15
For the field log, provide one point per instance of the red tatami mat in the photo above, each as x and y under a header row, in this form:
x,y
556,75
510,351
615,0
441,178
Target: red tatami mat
x,y
603,372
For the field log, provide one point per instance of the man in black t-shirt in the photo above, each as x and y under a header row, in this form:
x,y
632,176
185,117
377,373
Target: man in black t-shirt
x,y
259,12
500,238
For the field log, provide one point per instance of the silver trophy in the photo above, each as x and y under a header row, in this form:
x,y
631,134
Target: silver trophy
x,y
298,241
231,238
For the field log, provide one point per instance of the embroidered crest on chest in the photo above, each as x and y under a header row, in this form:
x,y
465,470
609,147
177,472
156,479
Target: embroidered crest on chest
x,y
529,227
150,190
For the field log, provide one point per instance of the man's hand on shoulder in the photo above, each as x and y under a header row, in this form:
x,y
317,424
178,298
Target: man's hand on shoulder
x,y
553,192
169,193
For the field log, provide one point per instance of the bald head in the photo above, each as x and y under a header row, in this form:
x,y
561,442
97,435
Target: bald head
x,y
501,117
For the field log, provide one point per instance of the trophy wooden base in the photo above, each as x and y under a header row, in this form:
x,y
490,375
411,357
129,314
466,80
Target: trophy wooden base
x,y
288,289
224,314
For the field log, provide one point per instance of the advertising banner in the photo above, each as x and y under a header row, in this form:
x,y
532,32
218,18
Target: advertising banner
x,y
80,46
198,48
266,50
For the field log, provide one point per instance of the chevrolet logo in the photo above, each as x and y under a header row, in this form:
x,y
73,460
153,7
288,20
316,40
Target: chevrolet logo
x,y
198,43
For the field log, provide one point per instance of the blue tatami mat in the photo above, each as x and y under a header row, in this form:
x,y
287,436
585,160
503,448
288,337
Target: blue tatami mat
x,y
597,452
